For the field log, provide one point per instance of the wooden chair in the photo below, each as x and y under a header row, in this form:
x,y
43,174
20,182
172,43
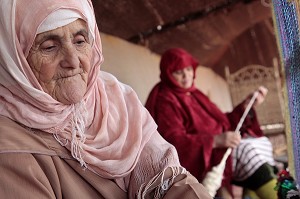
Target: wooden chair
x,y
270,113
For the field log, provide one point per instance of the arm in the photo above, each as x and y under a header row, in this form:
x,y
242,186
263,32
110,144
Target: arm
x,y
251,125
158,173
183,185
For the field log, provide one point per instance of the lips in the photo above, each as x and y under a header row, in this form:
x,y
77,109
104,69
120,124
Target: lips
x,y
72,76
185,82
69,75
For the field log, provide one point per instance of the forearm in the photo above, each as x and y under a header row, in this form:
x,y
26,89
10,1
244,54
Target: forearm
x,y
174,182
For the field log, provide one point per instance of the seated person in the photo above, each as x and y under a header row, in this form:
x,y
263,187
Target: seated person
x,y
201,133
68,130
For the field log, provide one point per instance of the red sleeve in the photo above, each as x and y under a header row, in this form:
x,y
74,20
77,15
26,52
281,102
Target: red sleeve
x,y
250,126
194,149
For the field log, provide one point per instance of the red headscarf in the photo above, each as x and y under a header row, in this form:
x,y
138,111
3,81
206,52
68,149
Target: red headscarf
x,y
177,59
172,60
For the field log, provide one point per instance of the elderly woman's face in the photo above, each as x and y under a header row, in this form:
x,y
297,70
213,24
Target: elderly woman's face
x,y
184,77
61,61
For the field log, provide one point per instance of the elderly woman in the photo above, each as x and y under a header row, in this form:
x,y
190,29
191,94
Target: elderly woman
x,y
68,130
201,133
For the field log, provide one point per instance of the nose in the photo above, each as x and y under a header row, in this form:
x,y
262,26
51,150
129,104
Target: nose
x,y
70,58
184,73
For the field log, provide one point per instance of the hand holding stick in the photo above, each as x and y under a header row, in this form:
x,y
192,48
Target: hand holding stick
x,y
213,179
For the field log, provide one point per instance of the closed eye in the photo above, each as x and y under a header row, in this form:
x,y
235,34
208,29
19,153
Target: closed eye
x,y
80,42
49,48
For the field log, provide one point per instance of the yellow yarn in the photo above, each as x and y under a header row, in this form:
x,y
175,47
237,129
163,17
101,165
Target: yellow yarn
x,y
248,193
267,190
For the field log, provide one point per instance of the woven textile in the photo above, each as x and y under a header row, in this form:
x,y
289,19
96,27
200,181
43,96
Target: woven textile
x,y
286,16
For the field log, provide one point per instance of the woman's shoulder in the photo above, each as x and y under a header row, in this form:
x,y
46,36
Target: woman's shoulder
x,y
16,138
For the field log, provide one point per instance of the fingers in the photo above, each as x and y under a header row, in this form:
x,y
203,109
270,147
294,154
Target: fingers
x,y
263,90
227,139
233,139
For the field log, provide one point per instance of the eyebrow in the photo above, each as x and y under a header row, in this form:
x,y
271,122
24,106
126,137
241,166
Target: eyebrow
x,y
51,36
83,32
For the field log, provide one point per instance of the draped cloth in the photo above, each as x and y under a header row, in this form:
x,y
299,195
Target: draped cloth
x,y
189,120
116,125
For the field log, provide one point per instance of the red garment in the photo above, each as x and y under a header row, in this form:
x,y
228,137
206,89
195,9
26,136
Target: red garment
x,y
189,120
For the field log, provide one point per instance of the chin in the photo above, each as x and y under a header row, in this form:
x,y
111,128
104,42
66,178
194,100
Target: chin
x,y
72,95
75,97
74,92
187,86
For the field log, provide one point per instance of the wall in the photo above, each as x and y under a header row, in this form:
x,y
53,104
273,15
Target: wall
x,y
214,86
138,67
131,64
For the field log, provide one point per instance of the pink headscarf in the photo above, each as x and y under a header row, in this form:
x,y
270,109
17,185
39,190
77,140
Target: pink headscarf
x,y
112,125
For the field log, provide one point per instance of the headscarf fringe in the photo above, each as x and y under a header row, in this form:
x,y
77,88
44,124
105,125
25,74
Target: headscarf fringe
x,y
162,185
76,126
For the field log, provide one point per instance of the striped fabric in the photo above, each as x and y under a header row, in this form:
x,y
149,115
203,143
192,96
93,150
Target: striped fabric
x,y
250,155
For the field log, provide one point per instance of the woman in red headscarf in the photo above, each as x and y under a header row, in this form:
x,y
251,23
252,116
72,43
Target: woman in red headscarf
x,y
197,128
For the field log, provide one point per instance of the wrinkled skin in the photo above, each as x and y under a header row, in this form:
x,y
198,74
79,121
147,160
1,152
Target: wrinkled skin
x,y
61,61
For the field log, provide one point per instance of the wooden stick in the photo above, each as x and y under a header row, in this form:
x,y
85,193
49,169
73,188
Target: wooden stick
x,y
213,179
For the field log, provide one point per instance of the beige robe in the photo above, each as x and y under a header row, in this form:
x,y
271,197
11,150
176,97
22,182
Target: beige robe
x,y
34,165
